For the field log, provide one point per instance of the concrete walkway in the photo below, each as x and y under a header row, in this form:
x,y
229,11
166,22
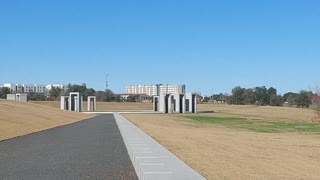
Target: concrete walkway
x,y
90,149
150,159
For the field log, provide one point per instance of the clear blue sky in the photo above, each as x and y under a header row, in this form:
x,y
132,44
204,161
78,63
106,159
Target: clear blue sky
x,y
211,46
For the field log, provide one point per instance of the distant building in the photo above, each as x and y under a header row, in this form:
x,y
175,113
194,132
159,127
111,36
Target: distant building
x,y
40,88
167,88
155,90
63,87
19,88
150,90
29,88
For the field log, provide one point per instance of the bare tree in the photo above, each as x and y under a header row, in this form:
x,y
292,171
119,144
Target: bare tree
x,y
316,101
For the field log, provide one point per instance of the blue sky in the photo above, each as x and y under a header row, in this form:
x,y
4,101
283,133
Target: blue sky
x,y
211,46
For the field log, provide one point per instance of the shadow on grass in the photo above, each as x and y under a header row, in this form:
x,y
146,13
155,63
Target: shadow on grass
x,y
260,126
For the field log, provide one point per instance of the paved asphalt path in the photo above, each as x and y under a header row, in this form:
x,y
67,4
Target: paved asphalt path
x,y
90,149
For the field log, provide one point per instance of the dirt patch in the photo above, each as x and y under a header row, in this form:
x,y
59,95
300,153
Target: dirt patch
x,y
218,152
18,118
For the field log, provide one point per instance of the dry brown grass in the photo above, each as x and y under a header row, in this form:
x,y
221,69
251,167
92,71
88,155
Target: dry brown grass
x,y
104,106
17,118
218,152
259,112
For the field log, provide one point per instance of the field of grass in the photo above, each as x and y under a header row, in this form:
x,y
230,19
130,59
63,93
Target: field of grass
x,y
104,106
259,125
240,142
267,113
18,118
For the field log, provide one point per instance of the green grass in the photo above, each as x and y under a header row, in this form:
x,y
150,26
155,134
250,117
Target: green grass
x,y
258,125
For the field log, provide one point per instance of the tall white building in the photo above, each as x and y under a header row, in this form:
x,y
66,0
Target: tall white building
x,y
150,90
28,88
154,90
168,88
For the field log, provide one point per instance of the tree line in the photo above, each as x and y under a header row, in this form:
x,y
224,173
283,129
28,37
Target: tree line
x,y
106,96
55,92
263,96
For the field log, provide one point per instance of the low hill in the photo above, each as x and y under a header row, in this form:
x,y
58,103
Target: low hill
x,y
18,118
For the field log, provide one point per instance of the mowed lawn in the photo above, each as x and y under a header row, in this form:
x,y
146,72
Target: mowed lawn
x,y
259,125
240,142
18,118
104,106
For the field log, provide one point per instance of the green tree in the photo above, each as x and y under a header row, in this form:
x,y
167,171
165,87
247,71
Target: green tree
x,y
236,97
276,100
303,100
287,95
272,93
37,96
54,92
206,99
292,99
76,88
261,94
221,97
3,92
215,97
88,92
248,97
83,90
109,96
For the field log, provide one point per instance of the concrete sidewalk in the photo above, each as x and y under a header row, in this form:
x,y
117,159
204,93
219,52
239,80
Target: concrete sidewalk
x,y
150,159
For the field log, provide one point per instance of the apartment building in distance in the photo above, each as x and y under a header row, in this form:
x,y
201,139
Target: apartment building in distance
x,y
30,88
150,90
155,90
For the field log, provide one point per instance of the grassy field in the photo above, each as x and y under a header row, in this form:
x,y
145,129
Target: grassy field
x,y
240,142
260,126
235,142
104,106
268,113
17,118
